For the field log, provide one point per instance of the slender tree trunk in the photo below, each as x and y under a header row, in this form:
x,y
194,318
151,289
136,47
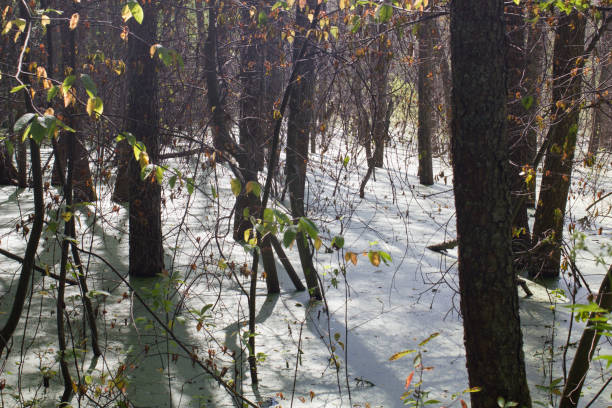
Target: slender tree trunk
x,y
298,128
489,298
146,250
252,126
561,139
586,347
22,166
426,99
28,264
601,134
83,183
534,81
517,136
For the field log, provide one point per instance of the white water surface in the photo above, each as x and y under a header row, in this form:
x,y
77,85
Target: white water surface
x,y
376,312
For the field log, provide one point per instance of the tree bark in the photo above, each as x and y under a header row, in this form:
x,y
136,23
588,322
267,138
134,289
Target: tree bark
x,y
426,125
489,298
518,145
561,140
146,250
586,347
298,129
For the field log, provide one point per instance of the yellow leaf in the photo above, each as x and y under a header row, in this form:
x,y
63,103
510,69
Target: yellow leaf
x,y
126,13
302,4
143,159
153,49
343,4
401,354
67,216
45,20
317,243
247,235
74,21
50,112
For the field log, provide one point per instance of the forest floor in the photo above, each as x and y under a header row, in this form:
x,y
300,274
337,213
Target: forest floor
x,y
334,353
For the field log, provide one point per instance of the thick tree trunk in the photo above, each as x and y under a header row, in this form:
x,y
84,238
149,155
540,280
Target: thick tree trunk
x,y
146,250
561,140
298,129
426,99
489,298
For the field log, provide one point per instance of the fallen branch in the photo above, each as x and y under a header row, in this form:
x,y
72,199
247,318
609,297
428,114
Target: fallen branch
x,y
36,267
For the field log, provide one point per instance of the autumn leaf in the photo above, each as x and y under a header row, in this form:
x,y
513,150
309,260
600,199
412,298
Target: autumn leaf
x,y
463,404
74,21
409,379
401,354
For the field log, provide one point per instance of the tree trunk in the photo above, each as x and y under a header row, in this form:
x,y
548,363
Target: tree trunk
x,y
298,129
8,172
83,184
489,298
518,145
426,98
601,134
252,126
146,250
586,347
561,140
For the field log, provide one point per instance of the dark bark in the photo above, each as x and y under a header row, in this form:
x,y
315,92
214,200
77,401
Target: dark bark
x,y
489,298
83,184
518,145
586,347
8,172
426,124
561,141
28,264
298,129
28,260
601,133
146,250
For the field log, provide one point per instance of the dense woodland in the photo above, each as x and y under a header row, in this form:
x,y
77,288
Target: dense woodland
x,y
207,150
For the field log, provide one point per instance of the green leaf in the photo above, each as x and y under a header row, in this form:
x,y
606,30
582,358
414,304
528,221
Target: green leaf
x,y
93,293
52,92
262,18
338,242
236,186
384,13
90,86
23,121
527,101
18,88
254,187
190,185
67,84
289,236
307,226
517,2
281,217
172,181
136,11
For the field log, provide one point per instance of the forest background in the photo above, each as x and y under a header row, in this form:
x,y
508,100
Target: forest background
x,y
164,159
